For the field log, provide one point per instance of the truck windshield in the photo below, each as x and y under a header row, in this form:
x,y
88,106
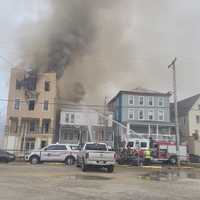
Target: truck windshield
x,y
99,147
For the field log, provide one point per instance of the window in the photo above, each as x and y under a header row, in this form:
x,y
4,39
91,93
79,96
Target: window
x,y
45,126
161,101
150,101
130,113
141,100
46,105
47,86
43,143
161,115
72,118
130,144
18,85
141,114
32,126
67,117
130,99
98,147
150,115
143,144
198,119
31,105
17,104
56,147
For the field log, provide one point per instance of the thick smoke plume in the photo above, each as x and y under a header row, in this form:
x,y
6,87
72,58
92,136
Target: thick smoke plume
x,y
97,47
53,44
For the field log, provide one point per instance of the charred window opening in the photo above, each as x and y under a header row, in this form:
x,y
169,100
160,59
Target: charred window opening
x,y
31,105
18,85
29,82
47,86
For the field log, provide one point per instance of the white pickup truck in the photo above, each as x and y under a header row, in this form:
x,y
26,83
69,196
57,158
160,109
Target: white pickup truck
x,y
96,154
54,153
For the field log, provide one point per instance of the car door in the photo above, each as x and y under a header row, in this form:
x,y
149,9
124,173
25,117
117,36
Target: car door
x,y
46,153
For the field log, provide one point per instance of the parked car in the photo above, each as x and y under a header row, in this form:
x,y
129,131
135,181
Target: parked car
x,y
6,156
54,153
97,155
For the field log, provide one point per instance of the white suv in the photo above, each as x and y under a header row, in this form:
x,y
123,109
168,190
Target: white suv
x,y
54,153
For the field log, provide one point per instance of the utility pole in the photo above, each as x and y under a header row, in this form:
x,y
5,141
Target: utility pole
x,y
173,67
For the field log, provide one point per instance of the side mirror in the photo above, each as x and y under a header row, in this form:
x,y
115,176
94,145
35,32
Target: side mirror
x,y
45,149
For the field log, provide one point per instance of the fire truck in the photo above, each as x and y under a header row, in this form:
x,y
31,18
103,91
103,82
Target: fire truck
x,y
162,151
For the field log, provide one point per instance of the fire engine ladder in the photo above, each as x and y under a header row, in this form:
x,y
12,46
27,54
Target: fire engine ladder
x,y
127,133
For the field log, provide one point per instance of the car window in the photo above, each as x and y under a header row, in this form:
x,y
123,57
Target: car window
x,y
75,147
2,151
99,147
56,147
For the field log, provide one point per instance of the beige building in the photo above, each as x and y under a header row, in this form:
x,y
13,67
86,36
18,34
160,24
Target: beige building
x,y
31,110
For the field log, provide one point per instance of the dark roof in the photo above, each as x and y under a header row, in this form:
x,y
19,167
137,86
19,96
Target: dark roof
x,y
140,91
185,105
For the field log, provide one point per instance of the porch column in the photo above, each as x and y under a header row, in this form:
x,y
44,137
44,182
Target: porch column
x,y
157,130
149,130
169,131
128,129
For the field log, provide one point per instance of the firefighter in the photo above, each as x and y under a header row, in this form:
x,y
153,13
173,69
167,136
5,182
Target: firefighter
x,y
147,156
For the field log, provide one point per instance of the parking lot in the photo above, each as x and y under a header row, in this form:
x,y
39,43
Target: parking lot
x,y
22,181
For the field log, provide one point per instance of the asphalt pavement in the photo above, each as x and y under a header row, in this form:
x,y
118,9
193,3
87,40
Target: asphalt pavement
x,y
22,181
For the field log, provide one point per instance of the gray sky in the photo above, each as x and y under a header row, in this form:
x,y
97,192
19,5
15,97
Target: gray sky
x,y
148,34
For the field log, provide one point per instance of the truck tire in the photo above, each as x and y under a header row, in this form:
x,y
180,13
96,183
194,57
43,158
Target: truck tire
x,y
70,160
34,160
83,167
173,160
110,168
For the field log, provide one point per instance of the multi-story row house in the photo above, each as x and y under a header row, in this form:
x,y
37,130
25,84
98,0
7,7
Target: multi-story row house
x,y
145,112
31,110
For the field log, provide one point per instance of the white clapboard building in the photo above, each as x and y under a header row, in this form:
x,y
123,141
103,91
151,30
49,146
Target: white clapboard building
x,y
78,125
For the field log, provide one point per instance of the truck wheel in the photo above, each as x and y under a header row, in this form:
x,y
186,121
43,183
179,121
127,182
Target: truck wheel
x,y
34,160
5,160
70,160
77,163
173,160
83,167
110,169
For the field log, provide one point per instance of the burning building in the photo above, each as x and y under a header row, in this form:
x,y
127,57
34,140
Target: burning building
x,y
31,110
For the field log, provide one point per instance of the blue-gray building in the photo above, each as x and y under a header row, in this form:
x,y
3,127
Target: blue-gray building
x,y
144,111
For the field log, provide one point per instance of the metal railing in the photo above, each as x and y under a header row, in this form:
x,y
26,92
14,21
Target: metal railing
x,y
20,131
